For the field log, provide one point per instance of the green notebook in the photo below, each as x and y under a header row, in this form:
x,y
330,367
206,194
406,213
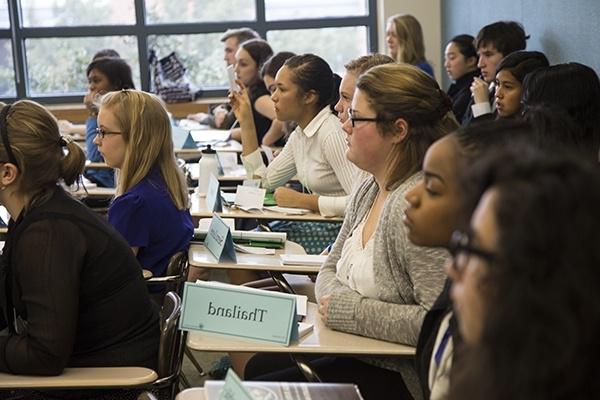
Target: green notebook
x,y
269,200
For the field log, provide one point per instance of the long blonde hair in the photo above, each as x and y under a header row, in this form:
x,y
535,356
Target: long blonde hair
x,y
410,38
37,147
146,130
404,91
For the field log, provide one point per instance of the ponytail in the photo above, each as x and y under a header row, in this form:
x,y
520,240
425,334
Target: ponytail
x,y
73,163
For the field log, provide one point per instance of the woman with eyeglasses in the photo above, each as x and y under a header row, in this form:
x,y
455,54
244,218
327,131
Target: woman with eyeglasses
x,y
150,208
437,206
105,74
525,280
376,283
72,291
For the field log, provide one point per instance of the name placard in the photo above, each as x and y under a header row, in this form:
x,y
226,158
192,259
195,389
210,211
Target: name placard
x,y
213,195
219,241
182,138
239,312
233,389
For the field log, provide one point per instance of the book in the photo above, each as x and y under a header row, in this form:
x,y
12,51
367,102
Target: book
x,y
302,259
289,390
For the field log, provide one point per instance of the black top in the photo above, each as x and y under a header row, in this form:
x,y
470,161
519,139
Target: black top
x,y
460,94
72,292
261,123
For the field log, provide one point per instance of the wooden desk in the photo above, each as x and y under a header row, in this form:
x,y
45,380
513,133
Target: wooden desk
x,y
225,147
191,394
231,174
93,192
321,340
199,210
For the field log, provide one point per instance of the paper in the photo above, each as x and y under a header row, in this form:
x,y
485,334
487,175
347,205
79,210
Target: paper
x,y
204,224
253,250
228,160
304,328
287,210
249,197
251,183
213,195
302,259
268,153
233,389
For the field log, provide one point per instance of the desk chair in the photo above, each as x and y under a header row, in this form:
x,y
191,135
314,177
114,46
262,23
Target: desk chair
x,y
176,275
170,356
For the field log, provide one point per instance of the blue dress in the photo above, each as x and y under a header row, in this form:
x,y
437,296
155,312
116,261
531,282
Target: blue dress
x,y
425,67
148,219
102,177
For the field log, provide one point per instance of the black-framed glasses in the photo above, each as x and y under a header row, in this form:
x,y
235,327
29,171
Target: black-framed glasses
x,y
102,133
461,248
354,120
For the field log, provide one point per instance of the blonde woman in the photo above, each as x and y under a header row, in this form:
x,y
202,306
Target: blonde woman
x,y
404,38
150,209
71,288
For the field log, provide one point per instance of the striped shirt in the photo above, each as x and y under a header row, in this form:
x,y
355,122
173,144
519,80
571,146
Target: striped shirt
x,y
316,154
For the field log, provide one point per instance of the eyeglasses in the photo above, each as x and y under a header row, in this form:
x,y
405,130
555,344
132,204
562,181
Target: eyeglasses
x,y
354,120
102,133
461,248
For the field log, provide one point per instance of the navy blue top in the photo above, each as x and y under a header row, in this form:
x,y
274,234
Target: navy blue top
x,y
425,67
148,219
102,177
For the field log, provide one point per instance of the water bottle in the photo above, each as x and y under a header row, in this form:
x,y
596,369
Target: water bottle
x,y
208,165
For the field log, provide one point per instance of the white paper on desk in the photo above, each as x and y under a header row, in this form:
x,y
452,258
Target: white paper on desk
x,y
228,197
251,183
249,197
287,210
253,250
227,160
304,328
268,153
302,259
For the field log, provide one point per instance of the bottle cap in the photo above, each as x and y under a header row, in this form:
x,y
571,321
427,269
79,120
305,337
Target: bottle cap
x,y
208,150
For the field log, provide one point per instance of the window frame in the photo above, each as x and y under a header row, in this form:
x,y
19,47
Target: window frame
x,y
17,34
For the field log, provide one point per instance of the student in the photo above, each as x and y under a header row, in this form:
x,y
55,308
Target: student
x,y
493,43
576,88
221,116
150,209
104,74
375,283
270,67
438,206
525,278
509,79
460,62
72,291
250,57
404,38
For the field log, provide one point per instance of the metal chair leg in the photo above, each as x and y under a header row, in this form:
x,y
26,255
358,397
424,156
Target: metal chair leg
x,y
305,367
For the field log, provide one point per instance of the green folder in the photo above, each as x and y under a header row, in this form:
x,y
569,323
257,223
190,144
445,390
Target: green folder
x,y
269,200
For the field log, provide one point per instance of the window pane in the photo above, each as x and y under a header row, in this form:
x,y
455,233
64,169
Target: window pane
x,y
4,20
336,45
38,13
169,11
201,54
297,9
57,65
7,72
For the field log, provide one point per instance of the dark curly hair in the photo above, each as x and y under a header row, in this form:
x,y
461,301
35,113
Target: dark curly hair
x,y
540,336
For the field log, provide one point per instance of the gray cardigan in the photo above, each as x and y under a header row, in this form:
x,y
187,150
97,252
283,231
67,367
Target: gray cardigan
x,y
409,278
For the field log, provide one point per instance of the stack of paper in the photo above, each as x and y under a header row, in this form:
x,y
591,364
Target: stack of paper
x,y
303,259
287,210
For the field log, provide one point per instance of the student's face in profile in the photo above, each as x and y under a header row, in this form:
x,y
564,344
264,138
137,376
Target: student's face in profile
x,y
245,67
269,83
508,94
98,82
231,47
287,97
489,58
112,146
391,39
435,202
468,271
367,148
455,63
347,87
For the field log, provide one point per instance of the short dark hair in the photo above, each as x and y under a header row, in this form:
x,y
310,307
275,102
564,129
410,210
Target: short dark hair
x,y
258,49
106,53
520,63
505,36
116,70
311,72
465,45
241,34
275,62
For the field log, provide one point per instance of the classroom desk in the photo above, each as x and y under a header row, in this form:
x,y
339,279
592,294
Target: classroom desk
x,y
199,256
321,340
191,394
230,146
93,192
199,210
232,174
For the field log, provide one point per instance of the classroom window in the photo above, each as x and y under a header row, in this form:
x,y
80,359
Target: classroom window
x,y
7,72
173,11
4,21
46,13
299,9
58,65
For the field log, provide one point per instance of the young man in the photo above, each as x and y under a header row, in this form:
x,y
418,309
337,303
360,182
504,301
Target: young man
x,y
221,116
493,43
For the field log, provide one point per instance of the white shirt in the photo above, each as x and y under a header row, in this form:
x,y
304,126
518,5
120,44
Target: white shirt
x,y
316,154
355,266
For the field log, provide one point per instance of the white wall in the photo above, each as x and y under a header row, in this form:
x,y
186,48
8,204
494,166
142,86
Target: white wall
x,y
428,12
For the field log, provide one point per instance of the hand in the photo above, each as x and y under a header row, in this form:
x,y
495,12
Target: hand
x,y
199,117
220,114
240,102
480,91
286,197
323,306
64,127
88,100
